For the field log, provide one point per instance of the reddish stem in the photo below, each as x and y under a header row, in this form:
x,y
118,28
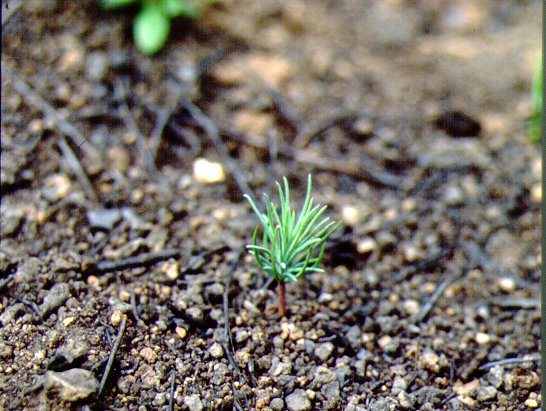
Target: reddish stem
x,y
282,299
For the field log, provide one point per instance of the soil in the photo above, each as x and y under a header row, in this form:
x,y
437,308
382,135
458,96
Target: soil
x,y
124,280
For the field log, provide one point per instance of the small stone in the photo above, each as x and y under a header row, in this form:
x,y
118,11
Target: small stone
x,y
404,400
351,215
208,172
467,400
171,270
506,284
466,389
277,404
324,350
116,317
72,385
366,245
531,403
181,332
399,384
494,376
384,341
454,196
149,355
332,394
298,401
216,350
325,298
195,313
486,393
193,402
103,219
54,298
429,361
411,253
56,187
363,126
411,307
11,222
482,338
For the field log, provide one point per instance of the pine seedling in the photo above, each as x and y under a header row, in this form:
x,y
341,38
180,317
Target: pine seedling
x,y
290,247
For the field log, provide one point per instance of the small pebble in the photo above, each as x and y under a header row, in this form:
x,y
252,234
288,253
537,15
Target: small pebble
x,y
531,403
366,245
384,341
351,215
277,404
216,350
324,350
208,172
72,385
54,298
486,393
56,187
193,402
116,317
482,338
298,401
149,355
506,284
181,332
429,360
466,389
171,270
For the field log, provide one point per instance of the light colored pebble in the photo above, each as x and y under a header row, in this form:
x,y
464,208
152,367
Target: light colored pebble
x,y
181,332
208,172
411,307
366,245
216,350
324,350
384,341
506,284
351,215
483,338
149,355
298,401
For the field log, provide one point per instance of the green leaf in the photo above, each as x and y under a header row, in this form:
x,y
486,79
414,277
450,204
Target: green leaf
x,y
114,4
175,8
151,29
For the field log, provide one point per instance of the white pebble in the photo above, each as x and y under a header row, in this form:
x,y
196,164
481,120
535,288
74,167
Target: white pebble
x,y
208,172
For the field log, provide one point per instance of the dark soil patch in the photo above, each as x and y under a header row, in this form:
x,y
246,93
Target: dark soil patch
x,y
411,117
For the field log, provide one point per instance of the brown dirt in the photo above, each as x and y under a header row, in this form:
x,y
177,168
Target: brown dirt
x,y
411,117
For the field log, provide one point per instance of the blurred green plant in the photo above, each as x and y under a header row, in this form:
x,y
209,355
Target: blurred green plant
x,y
290,248
152,24
534,127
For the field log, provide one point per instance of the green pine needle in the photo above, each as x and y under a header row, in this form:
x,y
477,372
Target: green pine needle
x,y
290,247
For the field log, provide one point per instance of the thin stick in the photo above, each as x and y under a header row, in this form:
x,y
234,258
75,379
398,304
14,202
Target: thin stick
x,y
112,355
77,169
228,342
37,102
436,295
171,391
211,131
509,361
130,121
282,299
135,308
138,261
